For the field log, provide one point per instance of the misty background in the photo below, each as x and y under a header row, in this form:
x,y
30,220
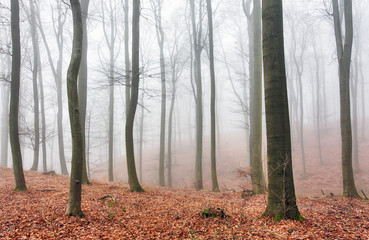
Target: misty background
x,y
312,74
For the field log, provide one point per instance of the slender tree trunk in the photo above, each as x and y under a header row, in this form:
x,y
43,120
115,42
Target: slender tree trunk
x,y
318,103
344,60
74,202
20,183
131,167
197,41
170,129
57,73
126,54
36,150
82,85
214,179
156,6
4,125
141,135
355,142
281,189
258,182
249,110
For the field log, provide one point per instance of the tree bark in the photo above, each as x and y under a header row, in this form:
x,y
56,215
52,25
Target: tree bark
x,y
20,183
156,7
131,167
258,182
57,73
126,55
281,190
82,85
197,41
4,125
344,60
36,149
74,202
214,179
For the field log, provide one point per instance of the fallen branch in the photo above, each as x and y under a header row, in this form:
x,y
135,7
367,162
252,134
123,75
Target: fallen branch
x,y
364,194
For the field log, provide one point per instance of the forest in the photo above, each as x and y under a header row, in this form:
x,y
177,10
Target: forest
x,y
192,119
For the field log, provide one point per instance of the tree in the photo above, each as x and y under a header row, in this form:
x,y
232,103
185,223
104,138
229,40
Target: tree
x,y
281,189
298,57
344,60
126,55
58,76
35,70
197,49
258,182
156,6
82,85
110,37
5,119
75,188
176,65
131,167
20,183
214,179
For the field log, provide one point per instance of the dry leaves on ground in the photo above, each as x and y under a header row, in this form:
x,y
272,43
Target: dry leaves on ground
x,y
112,212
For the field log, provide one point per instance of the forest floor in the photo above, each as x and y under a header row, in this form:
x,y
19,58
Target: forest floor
x,y
113,212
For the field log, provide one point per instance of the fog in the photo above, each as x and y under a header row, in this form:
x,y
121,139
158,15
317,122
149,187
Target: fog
x,y
310,54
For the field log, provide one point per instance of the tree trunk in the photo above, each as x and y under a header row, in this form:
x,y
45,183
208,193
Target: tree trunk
x,y
20,183
258,182
344,60
281,189
131,167
197,41
141,135
156,6
126,54
74,202
36,149
4,125
214,179
82,85
57,73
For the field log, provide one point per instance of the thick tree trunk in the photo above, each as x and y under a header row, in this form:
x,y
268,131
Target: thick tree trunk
x,y
258,182
74,202
214,179
344,60
131,167
281,189
20,183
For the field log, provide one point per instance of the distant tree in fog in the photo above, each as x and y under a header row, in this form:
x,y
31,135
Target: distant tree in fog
x,y
197,45
344,61
258,182
156,6
214,179
57,72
